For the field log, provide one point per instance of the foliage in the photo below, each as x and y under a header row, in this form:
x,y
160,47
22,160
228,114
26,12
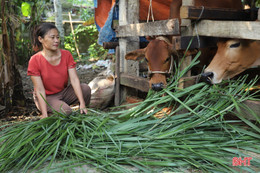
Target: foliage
x,y
23,41
82,2
86,13
97,51
194,136
89,34
24,49
248,2
11,84
26,9
86,9
257,3
24,31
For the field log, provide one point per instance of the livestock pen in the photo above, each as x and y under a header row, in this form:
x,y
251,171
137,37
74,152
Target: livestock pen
x,y
200,24
195,22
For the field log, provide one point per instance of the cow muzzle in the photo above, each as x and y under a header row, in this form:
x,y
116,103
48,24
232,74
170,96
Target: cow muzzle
x,y
207,77
157,86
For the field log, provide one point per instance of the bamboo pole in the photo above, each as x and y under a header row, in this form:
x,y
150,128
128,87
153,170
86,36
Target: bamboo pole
x,y
74,37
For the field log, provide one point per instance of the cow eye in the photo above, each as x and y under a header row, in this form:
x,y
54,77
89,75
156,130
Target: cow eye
x,y
234,45
146,59
167,60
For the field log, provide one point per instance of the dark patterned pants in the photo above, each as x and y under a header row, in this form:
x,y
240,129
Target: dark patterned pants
x,y
61,101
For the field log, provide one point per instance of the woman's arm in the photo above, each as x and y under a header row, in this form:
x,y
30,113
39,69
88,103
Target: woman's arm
x,y
40,94
74,80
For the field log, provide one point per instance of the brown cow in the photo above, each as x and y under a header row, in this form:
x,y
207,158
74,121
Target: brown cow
x,y
233,57
159,51
158,55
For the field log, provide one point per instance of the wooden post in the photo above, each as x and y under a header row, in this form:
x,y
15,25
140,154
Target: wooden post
x,y
186,22
188,2
258,18
132,67
185,63
187,60
128,14
117,72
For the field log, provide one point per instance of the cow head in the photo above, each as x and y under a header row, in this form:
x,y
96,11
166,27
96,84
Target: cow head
x,y
158,55
232,57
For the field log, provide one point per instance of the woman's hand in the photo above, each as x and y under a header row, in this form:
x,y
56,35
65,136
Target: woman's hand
x,y
43,116
83,109
74,79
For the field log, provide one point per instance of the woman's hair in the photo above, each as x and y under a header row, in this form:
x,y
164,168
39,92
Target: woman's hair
x,y
41,31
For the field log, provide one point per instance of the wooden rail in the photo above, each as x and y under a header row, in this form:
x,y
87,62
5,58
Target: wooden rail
x,y
113,45
198,13
182,42
227,29
212,28
163,27
136,82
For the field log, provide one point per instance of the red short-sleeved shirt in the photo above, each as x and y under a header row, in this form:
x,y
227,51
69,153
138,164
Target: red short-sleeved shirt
x,y
54,78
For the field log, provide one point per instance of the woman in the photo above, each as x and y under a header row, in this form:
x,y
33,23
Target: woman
x,y
50,70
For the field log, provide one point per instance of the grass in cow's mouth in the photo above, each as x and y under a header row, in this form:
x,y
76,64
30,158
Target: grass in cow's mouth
x,y
194,136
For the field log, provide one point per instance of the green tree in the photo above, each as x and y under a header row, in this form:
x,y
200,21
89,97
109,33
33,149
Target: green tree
x,y
15,46
11,89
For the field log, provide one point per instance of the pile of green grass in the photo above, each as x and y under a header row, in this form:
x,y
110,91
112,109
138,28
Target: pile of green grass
x,y
194,136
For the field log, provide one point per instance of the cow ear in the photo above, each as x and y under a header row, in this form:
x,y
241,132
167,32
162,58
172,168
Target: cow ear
x,y
172,49
135,55
149,38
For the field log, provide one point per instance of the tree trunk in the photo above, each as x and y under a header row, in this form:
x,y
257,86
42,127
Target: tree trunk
x,y
7,73
58,19
1,80
11,90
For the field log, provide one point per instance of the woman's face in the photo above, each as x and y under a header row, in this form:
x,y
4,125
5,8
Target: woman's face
x,y
51,40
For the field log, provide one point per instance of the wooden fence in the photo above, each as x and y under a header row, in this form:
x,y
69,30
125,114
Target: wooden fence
x,y
212,23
